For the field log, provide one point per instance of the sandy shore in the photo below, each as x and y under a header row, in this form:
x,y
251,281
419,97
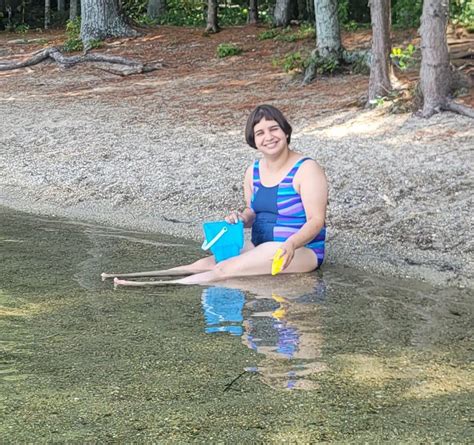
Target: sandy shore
x,y
165,150
400,186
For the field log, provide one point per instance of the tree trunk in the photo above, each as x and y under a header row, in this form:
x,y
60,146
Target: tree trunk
x,y
61,5
253,12
101,19
310,9
435,75
73,9
212,8
303,14
156,8
380,67
328,34
282,13
47,13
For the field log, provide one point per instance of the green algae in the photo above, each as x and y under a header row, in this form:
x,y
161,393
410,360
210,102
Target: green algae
x,y
80,362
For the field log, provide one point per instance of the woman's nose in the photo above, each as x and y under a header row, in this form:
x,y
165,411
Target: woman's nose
x,y
267,135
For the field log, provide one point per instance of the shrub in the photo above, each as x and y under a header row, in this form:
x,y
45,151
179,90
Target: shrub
x,y
228,49
403,57
324,65
268,34
22,28
73,31
462,13
304,32
406,13
74,42
291,62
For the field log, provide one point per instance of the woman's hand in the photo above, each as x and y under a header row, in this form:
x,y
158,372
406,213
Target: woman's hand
x,y
234,217
288,249
247,216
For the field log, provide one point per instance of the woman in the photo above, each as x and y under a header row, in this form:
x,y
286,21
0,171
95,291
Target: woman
x,y
286,198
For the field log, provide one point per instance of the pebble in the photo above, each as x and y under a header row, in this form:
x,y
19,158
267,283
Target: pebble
x,y
400,194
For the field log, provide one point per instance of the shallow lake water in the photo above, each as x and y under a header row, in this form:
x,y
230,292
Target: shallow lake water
x,y
336,355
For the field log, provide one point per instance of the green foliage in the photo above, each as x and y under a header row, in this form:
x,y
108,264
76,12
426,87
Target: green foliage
x,y
135,9
193,12
462,13
145,20
73,31
378,101
406,13
291,62
324,65
403,57
268,34
343,11
232,15
305,31
74,42
22,28
351,25
298,62
228,49
184,13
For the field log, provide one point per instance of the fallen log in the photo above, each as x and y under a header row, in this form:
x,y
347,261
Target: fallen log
x,y
115,64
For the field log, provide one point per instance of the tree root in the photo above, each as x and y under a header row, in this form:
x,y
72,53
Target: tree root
x,y
114,64
361,57
448,106
459,109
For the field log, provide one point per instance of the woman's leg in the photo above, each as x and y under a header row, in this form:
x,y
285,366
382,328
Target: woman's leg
x,y
201,265
257,261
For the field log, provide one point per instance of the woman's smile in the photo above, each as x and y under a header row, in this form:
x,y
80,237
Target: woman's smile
x,y
269,135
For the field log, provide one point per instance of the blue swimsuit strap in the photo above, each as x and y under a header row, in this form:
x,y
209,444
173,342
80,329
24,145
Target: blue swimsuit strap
x,y
290,174
256,173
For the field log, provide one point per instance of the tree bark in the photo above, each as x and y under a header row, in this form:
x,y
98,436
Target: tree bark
x,y
73,9
61,5
435,75
282,13
253,12
47,13
380,67
156,8
101,19
212,9
328,33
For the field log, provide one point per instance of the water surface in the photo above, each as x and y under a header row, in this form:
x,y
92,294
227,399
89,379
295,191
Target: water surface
x,y
332,356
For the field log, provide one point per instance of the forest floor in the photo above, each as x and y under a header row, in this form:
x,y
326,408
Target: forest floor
x,y
87,143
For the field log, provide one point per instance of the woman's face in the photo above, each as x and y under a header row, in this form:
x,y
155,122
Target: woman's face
x,y
269,137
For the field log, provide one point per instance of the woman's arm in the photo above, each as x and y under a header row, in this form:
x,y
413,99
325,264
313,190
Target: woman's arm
x,y
311,183
247,215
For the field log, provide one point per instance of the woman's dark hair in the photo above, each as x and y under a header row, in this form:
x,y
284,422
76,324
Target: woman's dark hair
x,y
270,113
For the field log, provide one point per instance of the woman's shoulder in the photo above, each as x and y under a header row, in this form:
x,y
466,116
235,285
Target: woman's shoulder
x,y
308,163
309,166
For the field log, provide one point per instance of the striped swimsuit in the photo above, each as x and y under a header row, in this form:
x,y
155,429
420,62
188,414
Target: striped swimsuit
x,y
280,212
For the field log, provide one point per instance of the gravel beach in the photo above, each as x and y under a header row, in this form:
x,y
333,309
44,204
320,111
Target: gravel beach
x,y
131,154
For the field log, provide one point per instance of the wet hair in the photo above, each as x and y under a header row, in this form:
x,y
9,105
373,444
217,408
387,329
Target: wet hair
x,y
270,113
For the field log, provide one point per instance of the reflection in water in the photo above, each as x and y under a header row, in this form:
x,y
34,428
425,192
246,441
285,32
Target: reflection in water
x,y
223,310
284,328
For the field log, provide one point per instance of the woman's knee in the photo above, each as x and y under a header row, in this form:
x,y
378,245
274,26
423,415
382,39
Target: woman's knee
x,y
222,271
